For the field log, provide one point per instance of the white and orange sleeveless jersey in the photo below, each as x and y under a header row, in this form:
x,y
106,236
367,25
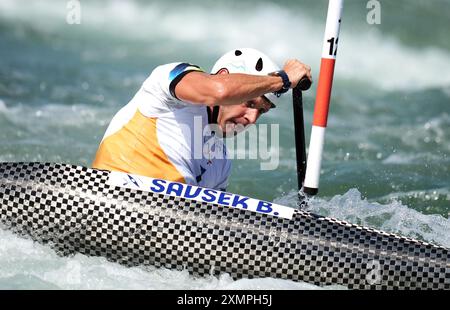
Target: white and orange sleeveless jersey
x,y
160,136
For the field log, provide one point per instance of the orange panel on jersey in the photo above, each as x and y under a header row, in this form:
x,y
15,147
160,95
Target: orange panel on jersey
x,y
135,149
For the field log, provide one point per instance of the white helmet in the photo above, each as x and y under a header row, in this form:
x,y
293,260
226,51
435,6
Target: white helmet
x,y
247,61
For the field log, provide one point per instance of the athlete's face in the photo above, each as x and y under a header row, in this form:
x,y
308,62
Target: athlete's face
x,y
235,118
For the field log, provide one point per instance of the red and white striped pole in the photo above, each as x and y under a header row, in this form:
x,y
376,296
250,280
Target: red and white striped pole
x,y
330,45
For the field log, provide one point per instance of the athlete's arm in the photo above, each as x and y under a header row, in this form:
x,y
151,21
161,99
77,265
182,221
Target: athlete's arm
x,y
235,88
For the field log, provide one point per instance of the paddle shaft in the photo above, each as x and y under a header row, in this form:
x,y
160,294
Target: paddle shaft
x,y
299,126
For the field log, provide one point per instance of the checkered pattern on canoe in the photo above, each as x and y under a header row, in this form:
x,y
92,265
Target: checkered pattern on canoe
x,y
73,209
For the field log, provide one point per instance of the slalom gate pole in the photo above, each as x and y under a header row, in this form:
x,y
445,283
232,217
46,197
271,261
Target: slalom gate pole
x,y
329,52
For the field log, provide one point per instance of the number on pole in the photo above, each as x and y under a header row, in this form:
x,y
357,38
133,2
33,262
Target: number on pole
x,y
333,46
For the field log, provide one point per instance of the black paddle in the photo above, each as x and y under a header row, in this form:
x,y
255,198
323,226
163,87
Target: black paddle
x,y
299,126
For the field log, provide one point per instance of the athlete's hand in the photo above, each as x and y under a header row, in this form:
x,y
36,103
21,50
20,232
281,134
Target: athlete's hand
x,y
297,70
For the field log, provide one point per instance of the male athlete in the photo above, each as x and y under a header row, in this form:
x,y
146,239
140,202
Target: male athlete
x,y
157,133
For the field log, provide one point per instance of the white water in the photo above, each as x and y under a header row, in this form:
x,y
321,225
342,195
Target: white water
x,y
391,217
126,20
